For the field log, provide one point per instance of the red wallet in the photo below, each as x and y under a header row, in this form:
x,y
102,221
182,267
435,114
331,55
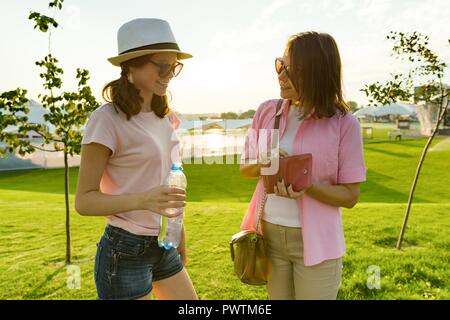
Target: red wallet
x,y
295,170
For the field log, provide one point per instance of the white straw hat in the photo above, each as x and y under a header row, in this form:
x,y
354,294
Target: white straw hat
x,y
139,37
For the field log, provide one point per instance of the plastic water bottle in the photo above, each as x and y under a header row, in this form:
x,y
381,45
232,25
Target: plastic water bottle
x,y
170,228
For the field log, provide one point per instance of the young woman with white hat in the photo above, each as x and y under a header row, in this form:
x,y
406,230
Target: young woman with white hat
x,y
128,147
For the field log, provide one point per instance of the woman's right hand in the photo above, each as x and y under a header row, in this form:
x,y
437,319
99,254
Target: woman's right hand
x,y
283,153
266,162
160,198
255,170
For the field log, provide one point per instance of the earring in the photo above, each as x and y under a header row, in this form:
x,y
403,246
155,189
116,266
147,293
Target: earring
x,y
130,78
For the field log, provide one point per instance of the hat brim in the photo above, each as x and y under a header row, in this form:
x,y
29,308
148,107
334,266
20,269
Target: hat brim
x,y
117,60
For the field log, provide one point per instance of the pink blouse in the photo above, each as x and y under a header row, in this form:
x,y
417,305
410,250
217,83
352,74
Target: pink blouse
x,y
143,149
337,150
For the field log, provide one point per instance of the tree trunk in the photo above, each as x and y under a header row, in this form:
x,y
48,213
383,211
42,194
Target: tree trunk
x,y
66,191
441,116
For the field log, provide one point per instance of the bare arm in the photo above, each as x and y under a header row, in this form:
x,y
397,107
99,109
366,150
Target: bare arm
x,y
251,171
254,170
340,195
90,201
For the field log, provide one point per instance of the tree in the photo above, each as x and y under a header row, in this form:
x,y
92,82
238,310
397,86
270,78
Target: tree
x,y
247,114
353,105
425,69
229,115
68,112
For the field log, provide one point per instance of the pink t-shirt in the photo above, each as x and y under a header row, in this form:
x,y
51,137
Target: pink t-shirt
x,y
143,149
337,151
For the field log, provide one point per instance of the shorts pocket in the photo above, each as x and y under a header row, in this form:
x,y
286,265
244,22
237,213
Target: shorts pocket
x,y
128,247
126,254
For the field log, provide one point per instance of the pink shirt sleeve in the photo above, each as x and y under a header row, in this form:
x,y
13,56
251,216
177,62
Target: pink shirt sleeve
x,y
351,168
250,150
100,129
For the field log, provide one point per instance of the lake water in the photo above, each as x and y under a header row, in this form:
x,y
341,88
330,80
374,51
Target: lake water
x,y
212,143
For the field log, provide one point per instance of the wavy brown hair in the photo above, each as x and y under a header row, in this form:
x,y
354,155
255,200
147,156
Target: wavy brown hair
x,y
125,95
316,73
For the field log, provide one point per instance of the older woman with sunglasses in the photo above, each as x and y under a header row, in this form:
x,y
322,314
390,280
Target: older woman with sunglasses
x,y
128,147
302,229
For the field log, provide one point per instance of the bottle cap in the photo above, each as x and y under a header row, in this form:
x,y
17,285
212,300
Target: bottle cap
x,y
176,166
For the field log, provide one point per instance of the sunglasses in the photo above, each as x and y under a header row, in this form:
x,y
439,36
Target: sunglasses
x,y
166,69
280,67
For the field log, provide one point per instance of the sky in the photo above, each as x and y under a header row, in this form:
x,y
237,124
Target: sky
x,y
234,43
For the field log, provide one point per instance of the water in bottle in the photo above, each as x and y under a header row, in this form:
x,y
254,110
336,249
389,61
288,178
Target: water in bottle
x,y
170,228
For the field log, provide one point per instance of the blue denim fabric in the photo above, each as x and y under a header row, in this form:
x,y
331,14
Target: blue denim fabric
x,y
126,264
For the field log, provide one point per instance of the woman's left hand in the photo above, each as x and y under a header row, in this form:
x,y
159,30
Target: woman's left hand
x,y
281,190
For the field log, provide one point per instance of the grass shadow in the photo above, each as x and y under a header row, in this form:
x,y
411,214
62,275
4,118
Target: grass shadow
x,y
375,190
390,153
391,242
34,294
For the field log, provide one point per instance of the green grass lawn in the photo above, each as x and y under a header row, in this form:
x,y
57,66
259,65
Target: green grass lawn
x,y
32,232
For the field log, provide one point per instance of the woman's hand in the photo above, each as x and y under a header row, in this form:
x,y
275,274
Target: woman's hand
x,y
163,197
280,187
281,190
265,160
283,153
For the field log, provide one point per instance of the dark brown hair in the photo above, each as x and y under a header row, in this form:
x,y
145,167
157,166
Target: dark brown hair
x,y
125,95
315,71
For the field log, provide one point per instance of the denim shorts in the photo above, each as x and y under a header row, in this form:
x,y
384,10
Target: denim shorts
x,y
126,264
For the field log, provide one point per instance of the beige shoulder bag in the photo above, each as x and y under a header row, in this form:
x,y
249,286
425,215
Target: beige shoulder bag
x,y
247,247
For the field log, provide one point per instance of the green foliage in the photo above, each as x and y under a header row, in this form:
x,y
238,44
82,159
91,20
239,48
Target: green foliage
x,y
56,4
52,74
247,114
398,88
13,112
68,111
43,22
425,68
353,105
413,47
229,115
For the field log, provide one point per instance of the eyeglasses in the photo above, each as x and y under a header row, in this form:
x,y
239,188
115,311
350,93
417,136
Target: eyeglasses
x,y
166,69
279,66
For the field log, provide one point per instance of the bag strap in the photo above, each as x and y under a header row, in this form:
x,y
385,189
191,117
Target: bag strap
x,y
277,116
276,127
